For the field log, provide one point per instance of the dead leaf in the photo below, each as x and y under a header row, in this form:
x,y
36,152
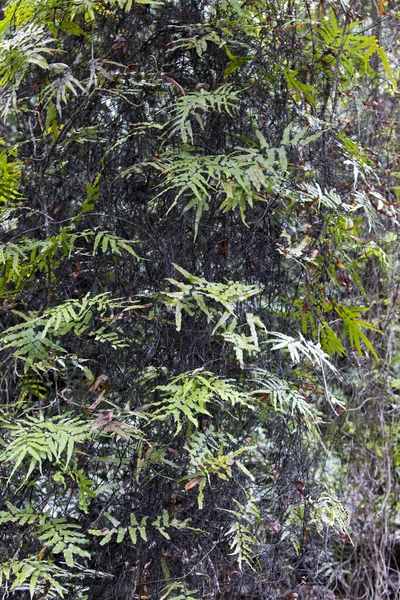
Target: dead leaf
x,y
9,303
97,401
173,451
193,482
176,85
41,553
46,590
103,418
298,483
102,384
65,396
277,526
223,246
106,421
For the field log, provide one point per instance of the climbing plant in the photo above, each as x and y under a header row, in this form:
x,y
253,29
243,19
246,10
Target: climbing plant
x,y
190,213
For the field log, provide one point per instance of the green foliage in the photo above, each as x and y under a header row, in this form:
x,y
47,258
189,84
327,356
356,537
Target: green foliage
x,y
61,536
198,208
188,395
193,295
208,458
198,42
243,542
328,511
285,398
26,48
34,575
352,326
177,591
195,105
36,440
60,89
300,349
241,176
33,339
235,62
9,179
133,529
349,50
244,176
330,341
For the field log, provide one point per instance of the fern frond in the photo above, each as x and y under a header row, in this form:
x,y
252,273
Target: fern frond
x,y
28,256
243,177
241,535
190,395
62,537
284,398
328,511
36,440
30,574
197,42
32,341
10,175
209,454
352,327
196,105
177,591
193,295
330,342
60,89
26,48
299,349
56,534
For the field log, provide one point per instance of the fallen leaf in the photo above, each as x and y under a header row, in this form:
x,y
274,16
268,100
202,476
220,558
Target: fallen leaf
x,y
97,401
193,482
102,384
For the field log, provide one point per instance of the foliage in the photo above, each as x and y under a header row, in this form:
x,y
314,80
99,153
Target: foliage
x,y
199,285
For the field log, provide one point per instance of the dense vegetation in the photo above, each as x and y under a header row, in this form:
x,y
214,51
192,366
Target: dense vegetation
x,y
199,298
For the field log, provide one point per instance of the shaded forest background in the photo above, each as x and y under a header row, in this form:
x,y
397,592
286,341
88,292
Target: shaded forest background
x,y
199,281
